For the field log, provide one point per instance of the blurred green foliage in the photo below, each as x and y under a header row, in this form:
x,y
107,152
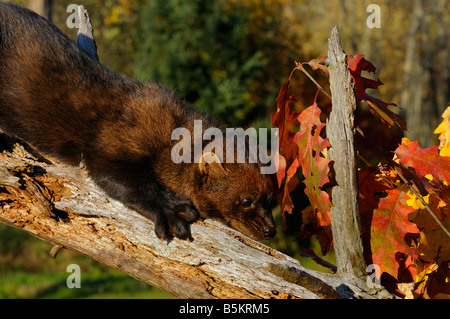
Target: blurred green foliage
x,y
208,52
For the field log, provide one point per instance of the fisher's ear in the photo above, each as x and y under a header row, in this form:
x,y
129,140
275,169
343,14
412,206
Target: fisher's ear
x,y
210,164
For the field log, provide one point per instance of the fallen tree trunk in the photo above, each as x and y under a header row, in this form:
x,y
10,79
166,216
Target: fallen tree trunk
x,y
60,204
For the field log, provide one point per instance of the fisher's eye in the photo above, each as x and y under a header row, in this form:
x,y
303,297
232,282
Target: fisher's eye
x,y
247,202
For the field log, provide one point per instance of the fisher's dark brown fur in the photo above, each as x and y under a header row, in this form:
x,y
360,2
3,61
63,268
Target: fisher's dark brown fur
x,y
56,98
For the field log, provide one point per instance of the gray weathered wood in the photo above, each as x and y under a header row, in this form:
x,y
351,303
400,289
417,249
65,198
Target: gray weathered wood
x,y
60,204
85,36
7,178
345,218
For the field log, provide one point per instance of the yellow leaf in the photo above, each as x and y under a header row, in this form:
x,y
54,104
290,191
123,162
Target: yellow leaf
x,y
405,141
444,133
414,202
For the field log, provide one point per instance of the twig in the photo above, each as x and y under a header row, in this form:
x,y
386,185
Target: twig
x,y
55,250
300,67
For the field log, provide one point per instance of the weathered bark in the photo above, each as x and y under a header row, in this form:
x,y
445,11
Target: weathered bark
x,y
85,36
60,204
345,218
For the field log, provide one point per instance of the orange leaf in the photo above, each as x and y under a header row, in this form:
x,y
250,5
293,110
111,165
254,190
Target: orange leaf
x,y
424,161
314,64
314,166
390,225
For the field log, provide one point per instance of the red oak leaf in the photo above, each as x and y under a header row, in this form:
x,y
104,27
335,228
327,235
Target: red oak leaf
x,y
390,225
289,186
370,186
285,120
357,64
314,166
424,161
386,115
319,64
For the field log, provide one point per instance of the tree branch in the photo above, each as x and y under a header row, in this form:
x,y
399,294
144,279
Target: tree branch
x,y
345,218
85,36
60,204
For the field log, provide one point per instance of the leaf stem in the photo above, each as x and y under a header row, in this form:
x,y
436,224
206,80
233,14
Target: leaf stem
x,y
299,66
